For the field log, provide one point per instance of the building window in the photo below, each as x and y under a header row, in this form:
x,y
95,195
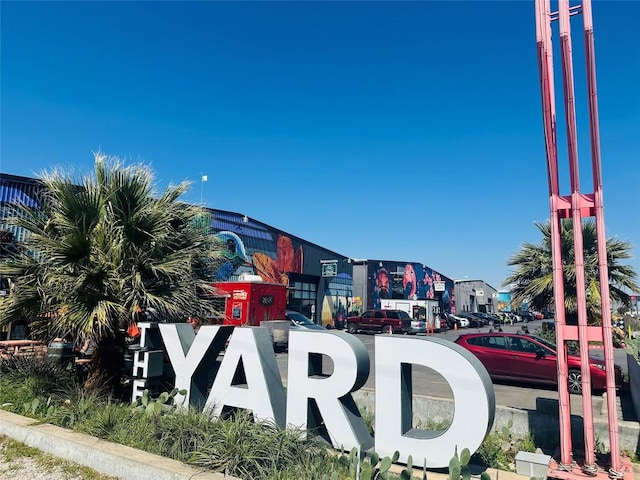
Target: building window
x,y
304,290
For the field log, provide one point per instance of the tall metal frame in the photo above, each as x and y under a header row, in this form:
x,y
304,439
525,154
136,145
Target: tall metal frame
x,y
576,205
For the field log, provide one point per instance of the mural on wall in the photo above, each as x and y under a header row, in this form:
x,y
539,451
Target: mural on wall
x,y
286,261
410,281
251,248
504,301
337,301
235,255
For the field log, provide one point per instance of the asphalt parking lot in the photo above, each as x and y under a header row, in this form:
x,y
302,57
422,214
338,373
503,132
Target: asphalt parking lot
x,y
521,396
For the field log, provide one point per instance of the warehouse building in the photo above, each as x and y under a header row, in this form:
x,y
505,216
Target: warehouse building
x,y
322,284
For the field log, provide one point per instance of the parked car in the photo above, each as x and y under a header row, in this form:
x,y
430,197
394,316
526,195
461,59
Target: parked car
x,y
385,321
488,318
418,326
474,321
455,320
299,321
524,357
527,316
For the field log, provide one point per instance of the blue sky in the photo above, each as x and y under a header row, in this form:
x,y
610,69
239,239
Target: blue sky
x,y
388,130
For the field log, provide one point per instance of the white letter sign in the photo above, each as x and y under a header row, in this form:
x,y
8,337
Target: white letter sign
x,y
314,399
193,357
250,356
473,399
247,376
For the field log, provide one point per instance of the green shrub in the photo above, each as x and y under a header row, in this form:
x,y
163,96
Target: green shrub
x,y
74,404
164,404
237,445
500,447
633,347
107,421
32,377
248,449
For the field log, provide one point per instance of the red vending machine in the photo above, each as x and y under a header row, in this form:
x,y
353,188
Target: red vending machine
x,y
249,303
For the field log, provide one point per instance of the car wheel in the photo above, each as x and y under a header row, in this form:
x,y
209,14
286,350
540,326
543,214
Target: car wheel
x,y
352,328
575,381
387,329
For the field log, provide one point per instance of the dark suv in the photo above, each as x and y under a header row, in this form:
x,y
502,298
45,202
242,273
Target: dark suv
x,y
385,321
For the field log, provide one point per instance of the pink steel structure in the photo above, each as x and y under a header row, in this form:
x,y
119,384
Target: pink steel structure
x,y
576,206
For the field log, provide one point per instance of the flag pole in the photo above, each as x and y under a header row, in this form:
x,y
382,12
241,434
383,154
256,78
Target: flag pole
x,y
203,178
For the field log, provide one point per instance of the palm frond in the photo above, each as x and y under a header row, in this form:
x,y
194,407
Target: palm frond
x,y
532,277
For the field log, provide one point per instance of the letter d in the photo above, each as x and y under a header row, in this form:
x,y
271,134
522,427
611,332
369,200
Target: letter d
x,y
473,399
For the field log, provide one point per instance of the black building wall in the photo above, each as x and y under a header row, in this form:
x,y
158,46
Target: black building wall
x,y
252,247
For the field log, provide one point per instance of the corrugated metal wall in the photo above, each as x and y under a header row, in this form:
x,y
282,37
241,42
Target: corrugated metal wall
x,y
16,190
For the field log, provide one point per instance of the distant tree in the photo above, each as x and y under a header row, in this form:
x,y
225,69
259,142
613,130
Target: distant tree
x,y
532,279
99,253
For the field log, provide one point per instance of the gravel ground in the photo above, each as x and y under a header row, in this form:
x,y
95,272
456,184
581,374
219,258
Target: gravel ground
x,y
19,462
26,468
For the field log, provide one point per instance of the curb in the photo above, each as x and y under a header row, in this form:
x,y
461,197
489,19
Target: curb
x,y
125,463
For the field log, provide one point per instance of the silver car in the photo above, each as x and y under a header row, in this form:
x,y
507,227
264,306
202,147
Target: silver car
x,y
418,326
299,321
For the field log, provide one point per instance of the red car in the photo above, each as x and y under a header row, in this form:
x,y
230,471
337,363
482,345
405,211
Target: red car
x,y
523,357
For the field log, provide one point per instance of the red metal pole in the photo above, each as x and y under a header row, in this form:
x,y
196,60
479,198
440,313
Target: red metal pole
x,y
576,206
545,64
574,171
603,270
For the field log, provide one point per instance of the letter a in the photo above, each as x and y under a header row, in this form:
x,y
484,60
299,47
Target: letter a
x,y
252,350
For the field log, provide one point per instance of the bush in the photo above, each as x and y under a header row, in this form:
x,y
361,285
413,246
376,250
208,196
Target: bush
x,y
27,384
633,347
237,445
245,448
500,447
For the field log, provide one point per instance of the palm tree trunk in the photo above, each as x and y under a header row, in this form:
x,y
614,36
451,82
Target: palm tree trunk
x,y
106,366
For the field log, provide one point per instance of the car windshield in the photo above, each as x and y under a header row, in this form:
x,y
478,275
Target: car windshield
x,y
404,315
546,343
299,319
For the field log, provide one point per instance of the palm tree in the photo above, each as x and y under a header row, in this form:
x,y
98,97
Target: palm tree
x,y
532,279
102,252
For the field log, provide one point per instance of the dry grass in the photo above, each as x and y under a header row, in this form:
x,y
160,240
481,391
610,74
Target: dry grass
x,y
19,461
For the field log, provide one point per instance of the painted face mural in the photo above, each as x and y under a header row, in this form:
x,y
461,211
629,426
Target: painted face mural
x,y
383,283
409,281
380,287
